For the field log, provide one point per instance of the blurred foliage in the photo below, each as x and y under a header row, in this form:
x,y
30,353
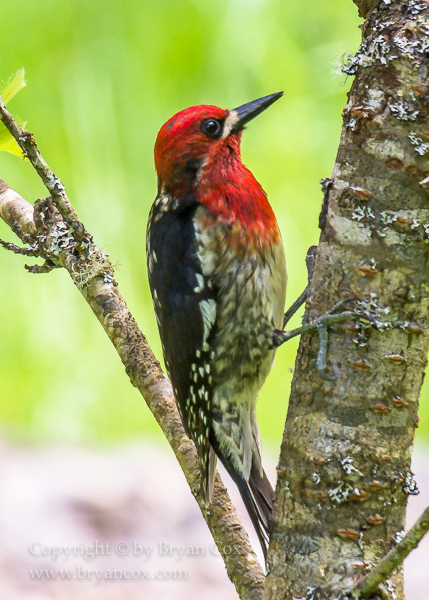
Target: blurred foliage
x,y
7,92
102,78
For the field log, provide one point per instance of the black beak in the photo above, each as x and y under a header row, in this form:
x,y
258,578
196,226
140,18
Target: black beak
x,y
247,112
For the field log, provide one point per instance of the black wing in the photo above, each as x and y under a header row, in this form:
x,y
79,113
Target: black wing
x,y
185,307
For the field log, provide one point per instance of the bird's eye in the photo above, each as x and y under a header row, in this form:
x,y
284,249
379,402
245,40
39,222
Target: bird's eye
x,y
211,127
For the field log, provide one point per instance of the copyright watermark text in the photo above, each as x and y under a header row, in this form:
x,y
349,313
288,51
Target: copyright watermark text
x,y
96,575
123,548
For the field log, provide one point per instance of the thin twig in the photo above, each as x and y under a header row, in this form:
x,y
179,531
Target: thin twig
x,y
310,261
296,305
280,337
322,330
47,267
30,251
395,557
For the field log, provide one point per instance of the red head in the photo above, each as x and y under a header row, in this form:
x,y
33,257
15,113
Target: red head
x,y
202,139
197,157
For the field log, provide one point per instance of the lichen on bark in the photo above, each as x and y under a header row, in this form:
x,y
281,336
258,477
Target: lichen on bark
x,y
344,472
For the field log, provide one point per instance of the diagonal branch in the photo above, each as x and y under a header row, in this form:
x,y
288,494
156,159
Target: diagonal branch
x,y
56,189
393,559
92,273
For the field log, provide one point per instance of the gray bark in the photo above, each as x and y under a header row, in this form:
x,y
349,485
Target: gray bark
x,y
344,473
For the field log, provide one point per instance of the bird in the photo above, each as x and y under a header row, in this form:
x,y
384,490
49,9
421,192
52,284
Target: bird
x,y
217,275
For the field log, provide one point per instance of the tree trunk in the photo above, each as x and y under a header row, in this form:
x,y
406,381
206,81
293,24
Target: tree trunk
x,y
344,472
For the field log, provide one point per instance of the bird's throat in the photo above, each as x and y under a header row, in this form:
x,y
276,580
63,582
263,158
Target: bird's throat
x,y
234,196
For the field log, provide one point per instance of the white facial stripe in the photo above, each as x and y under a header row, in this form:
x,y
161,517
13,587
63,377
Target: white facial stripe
x,y
230,121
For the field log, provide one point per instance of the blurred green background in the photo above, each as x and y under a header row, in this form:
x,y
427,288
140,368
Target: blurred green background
x,y
102,78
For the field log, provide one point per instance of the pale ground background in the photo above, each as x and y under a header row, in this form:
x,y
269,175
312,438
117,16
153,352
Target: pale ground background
x,y
69,496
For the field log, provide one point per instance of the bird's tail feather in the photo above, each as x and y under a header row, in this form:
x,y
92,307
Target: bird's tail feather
x,y
256,491
208,474
258,497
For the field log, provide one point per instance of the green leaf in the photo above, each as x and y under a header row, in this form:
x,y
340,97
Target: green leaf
x,y
13,86
7,92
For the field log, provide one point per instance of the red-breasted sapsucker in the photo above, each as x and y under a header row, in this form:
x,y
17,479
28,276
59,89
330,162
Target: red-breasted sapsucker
x,y
217,275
